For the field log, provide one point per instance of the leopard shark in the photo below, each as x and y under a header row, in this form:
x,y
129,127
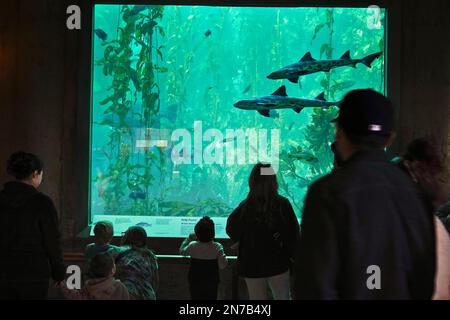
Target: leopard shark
x,y
280,100
308,65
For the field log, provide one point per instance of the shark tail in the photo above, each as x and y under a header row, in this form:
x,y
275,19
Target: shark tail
x,y
367,61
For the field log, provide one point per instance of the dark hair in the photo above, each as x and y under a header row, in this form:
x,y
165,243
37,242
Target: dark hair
x,y
204,229
263,191
103,231
101,265
135,237
22,164
425,151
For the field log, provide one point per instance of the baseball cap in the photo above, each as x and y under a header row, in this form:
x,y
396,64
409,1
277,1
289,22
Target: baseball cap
x,y
366,112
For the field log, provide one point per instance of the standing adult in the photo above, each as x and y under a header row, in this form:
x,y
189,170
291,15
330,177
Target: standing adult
x,y
30,238
266,228
424,166
366,233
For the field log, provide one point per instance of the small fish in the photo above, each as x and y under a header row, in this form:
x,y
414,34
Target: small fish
x,y
143,224
291,125
208,33
293,143
138,195
247,88
101,34
134,78
341,85
304,156
229,139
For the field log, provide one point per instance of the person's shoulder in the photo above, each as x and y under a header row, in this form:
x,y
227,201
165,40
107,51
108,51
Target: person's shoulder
x,y
326,180
91,246
124,252
120,290
329,186
114,250
89,250
117,283
241,206
193,244
217,245
43,199
43,205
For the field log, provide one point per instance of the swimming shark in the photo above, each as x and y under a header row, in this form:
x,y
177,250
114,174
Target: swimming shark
x,y
280,100
308,64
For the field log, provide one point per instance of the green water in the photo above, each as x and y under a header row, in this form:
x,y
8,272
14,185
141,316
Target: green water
x,y
169,67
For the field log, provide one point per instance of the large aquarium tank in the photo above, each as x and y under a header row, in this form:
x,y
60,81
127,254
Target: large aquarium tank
x,y
186,99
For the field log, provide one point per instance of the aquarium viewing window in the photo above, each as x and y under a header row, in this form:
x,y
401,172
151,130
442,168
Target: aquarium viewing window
x,y
186,99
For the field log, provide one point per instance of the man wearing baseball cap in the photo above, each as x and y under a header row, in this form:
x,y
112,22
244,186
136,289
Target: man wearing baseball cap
x,y
365,231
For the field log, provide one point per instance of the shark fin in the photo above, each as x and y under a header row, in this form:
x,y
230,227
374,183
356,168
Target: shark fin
x,y
346,55
297,109
265,113
307,57
281,91
321,97
369,59
293,80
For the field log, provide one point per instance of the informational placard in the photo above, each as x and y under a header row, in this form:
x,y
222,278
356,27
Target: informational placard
x,y
163,227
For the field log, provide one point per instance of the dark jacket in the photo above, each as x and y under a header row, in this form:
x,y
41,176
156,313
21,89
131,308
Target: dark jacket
x,y
366,213
264,250
30,240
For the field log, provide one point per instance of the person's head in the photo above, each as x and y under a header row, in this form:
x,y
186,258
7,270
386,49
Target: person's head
x,y
263,187
365,121
263,180
204,229
102,265
135,237
422,153
103,232
26,167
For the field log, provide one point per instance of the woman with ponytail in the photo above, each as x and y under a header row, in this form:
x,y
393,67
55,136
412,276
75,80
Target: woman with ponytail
x,y
266,229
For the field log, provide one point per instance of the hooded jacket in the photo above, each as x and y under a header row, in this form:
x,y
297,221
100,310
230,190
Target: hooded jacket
x,y
30,240
99,289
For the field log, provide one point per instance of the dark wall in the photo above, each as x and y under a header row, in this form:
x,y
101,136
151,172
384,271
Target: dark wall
x,y
38,95
43,90
425,72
